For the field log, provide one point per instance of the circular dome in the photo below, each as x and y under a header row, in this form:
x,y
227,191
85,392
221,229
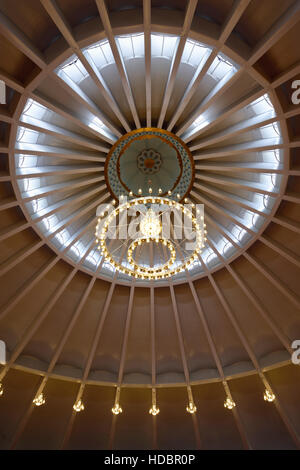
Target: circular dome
x,y
194,97
236,170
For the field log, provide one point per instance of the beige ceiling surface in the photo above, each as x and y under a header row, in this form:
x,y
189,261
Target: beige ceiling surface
x,y
70,328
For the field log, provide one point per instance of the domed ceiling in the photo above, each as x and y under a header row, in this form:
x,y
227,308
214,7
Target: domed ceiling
x,y
103,100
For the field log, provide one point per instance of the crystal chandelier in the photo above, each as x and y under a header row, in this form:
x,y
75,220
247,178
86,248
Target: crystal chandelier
x,y
158,220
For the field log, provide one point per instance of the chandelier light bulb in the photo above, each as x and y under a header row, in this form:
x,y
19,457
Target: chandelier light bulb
x,y
1,389
150,225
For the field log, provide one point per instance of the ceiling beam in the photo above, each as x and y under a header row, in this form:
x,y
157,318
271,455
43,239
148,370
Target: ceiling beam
x,y
234,15
189,15
118,60
147,44
21,41
62,24
277,30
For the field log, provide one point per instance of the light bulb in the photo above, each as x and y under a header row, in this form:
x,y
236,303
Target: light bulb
x,y
229,404
39,401
116,410
269,396
191,408
78,406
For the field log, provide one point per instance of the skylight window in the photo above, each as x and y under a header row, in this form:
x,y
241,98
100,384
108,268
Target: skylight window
x,y
262,105
131,45
220,68
97,124
199,123
163,45
74,70
194,53
34,109
270,131
27,136
26,161
100,53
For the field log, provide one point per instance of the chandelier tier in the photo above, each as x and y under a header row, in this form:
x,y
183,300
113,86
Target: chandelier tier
x,y
155,249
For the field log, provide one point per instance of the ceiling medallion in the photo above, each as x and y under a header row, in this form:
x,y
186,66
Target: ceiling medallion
x,y
149,161
149,152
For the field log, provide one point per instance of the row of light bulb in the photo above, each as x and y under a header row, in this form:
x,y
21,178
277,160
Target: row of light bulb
x,y
154,410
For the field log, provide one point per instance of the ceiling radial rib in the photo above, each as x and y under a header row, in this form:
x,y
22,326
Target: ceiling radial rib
x,y
240,167
281,250
62,187
235,182
58,350
18,257
184,361
8,203
147,39
118,60
10,81
76,92
236,414
224,212
266,272
235,13
294,226
41,150
213,349
232,198
252,356
79,184
13,230
67,202
283,77
190,11
65,29
192,87
56,131
21,41
31,282
220,88
91,354
39,319
238,8
282,25
255,301
243,126
61,111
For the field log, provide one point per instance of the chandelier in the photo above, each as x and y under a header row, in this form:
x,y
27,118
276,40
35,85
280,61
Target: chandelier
x,y
150,237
